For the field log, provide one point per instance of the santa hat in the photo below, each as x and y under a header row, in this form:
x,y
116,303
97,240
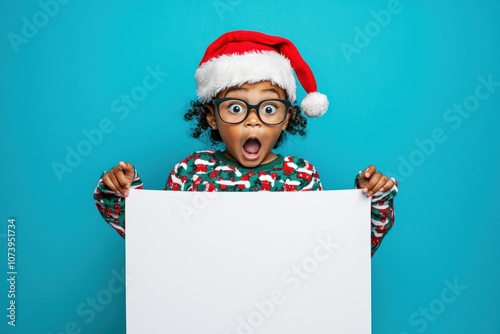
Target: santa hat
x,y
241,56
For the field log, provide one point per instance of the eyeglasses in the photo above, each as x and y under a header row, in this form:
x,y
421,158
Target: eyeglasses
x,y
234,111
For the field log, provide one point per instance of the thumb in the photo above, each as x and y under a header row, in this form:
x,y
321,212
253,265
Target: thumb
x,y
128,169
368,172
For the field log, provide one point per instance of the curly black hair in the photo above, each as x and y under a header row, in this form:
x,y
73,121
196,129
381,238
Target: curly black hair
x,y
198,111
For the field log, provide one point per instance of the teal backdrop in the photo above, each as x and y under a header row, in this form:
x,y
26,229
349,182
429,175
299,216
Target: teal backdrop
x,y
414,88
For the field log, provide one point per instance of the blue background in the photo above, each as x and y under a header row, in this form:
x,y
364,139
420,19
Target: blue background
x,y
387,97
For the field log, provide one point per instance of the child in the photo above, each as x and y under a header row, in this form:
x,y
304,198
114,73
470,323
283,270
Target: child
x,y
246,91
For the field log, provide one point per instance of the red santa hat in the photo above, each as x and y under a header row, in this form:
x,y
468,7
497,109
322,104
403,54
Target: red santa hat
x,y
241,56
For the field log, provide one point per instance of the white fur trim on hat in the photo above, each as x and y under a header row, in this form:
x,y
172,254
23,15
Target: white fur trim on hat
x,y
314,104
234,70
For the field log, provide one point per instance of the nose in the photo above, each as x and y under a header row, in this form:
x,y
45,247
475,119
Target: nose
x,y
253,118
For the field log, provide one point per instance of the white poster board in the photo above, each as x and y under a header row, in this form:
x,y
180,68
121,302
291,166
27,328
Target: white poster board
x,y
243,263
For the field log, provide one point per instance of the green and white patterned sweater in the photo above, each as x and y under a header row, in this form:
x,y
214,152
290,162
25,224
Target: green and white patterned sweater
x,y
212,171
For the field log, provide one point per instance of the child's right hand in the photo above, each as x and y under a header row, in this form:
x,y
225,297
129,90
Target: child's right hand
x,y
119,178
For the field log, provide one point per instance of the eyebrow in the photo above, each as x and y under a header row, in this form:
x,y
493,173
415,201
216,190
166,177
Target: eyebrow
x,y
272,90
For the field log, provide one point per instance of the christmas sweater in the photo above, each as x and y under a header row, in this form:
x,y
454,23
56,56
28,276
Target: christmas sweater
x,y
213,171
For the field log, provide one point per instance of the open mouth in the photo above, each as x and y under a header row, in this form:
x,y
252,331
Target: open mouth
x,y
251,148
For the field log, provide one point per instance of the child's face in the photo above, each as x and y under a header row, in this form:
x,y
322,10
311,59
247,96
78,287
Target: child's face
x,y
251,141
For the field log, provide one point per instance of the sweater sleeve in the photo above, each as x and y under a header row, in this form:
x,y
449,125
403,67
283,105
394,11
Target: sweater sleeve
x,y
382,214
112,207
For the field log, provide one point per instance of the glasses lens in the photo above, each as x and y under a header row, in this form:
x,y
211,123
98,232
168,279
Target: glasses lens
x,y
271,112
233,111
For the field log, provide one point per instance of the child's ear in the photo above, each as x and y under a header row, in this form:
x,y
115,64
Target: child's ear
x,y
287,119
210,116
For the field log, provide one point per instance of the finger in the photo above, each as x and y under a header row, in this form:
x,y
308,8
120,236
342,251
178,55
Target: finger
x,y
388,185
115,175
374,179
364,176
378,186
107,181
122,178
369,171
128,169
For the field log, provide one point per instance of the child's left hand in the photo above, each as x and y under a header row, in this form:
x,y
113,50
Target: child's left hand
x,y
372,181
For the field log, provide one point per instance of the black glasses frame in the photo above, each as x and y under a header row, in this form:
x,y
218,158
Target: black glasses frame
x,y
217,103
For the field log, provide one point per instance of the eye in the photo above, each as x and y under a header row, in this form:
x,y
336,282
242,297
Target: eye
x,y
269,109
236,108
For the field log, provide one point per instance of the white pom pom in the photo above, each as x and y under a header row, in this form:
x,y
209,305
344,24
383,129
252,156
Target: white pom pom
x,y
314,104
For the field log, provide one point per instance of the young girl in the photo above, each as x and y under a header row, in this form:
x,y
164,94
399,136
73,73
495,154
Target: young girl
x,y
246,94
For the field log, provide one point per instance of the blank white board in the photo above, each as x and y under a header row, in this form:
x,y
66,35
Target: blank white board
x,y
243,263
